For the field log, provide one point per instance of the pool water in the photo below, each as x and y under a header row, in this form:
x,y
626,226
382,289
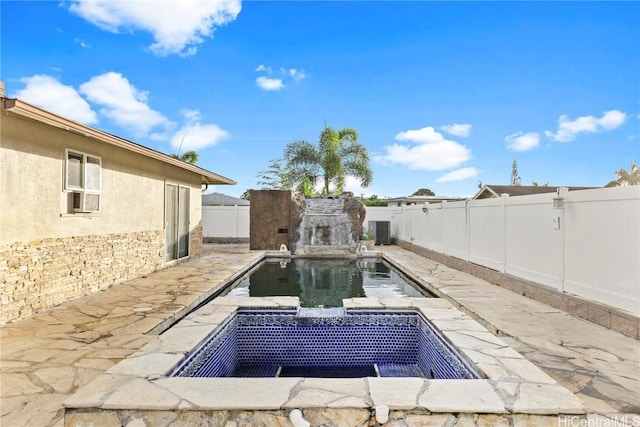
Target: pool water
x,y
324,282
327,343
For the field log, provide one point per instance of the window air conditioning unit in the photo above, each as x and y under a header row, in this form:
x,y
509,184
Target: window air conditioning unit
x,y
85,202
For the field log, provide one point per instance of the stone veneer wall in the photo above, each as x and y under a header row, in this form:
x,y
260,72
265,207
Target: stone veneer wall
x,y
42,273
328,417
274,218
195,242
610,317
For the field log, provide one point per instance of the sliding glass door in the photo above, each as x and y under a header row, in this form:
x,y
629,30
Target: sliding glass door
x,y
176,221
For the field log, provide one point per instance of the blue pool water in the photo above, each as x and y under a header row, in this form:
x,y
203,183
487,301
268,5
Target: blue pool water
x,y
326,343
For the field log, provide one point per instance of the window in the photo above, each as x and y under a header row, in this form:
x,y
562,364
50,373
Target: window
x,y
82,180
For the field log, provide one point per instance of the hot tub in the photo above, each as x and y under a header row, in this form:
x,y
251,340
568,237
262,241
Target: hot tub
x,y
486,382
327,343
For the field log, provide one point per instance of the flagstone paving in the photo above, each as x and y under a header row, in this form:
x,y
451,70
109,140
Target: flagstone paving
x,y
46,358
600,366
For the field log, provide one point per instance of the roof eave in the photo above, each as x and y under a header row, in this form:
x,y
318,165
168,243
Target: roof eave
x,y
25,109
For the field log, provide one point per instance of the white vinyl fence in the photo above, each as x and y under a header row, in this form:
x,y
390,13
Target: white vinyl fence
x,y
225,222
590,247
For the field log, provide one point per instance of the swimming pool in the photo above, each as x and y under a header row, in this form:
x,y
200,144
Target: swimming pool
x,y
511,390
320,282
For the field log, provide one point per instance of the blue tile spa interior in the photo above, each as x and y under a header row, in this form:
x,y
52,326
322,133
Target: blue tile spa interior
x,y
326,343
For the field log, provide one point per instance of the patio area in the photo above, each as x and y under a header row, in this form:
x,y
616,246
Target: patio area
x,y
46,358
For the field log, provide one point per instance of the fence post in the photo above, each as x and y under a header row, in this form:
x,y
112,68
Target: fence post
x,y
443,226
237,221
467,228
425,210
503,199
562,196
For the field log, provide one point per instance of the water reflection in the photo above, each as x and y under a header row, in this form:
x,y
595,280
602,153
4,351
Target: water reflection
x,y
324,283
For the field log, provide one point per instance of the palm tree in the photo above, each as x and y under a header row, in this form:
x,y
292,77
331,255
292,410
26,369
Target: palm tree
x,y
188,156
626,178
337,155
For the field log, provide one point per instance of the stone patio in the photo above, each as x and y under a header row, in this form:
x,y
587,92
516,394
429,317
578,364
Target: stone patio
x,y
48,357
513,388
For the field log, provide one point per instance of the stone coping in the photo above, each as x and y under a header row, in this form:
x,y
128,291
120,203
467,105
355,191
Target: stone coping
x,y
141,382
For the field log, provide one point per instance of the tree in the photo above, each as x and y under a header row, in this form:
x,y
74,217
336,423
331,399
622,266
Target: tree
x,y
536,184
632,177
277,177
188,156
374,200
515,178
424,192
280,177
246,195
337,155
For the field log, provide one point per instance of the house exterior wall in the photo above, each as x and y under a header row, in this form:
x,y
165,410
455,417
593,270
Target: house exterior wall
x,y
48,255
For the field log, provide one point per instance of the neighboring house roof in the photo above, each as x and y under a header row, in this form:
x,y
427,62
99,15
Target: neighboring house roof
x,y
24,109
219,199
490,191
422,199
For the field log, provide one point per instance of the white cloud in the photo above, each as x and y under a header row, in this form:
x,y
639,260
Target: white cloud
x,y
354,185
424,135
177,27
191,116
82,43
612,119
48,93
272,83
457,129
198,136
123,103
268,83
434,156
261,67
432,152
194,135
458,175
568,129
297,74
520,141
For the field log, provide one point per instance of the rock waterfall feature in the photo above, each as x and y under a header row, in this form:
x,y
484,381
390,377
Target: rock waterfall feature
x,y
330,226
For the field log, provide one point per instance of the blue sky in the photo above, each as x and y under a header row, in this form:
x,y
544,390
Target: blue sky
x,y
443,94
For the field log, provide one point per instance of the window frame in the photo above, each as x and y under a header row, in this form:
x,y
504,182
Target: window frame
x,y
86,160
83,172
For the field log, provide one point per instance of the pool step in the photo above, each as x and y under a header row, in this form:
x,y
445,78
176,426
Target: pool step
x,y
375,370
399,370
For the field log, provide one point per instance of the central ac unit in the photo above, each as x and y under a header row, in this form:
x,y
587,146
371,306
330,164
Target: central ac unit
x,y
86,202
382,231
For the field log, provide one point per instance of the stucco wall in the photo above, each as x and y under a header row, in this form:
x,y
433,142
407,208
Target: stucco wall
x,y
34,203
